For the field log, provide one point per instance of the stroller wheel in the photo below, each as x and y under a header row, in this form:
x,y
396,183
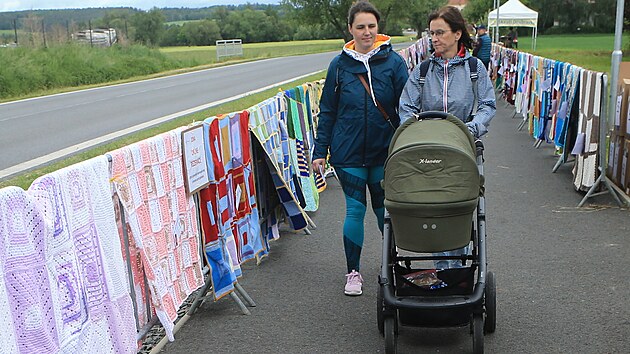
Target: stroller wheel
x,y
391,332
478,333
490,324
379,311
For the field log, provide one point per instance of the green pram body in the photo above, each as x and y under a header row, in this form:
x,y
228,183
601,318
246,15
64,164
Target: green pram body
x,y
432,184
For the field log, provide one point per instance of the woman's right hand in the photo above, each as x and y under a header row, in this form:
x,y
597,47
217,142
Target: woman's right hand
x,y
319,165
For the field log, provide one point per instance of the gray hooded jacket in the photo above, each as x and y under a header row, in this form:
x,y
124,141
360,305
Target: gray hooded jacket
x,y
455,97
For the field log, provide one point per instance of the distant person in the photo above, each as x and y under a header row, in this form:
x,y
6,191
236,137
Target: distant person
x,y
483,45
513,37
357,119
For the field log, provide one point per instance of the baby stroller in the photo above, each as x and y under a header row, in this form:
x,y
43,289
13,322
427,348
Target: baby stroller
x,y
434,202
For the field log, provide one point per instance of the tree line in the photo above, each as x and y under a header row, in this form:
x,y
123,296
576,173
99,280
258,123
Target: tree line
x,y
290,20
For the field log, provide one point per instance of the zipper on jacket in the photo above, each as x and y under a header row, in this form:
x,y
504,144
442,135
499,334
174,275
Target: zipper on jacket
x,y
365,126
445,88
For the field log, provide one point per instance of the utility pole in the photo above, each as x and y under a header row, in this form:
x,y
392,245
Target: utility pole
x,y
90,27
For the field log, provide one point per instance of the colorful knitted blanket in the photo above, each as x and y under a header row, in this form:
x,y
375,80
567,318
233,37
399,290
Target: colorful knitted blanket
x,y
162,219
230,221
300,141
568,88
267,124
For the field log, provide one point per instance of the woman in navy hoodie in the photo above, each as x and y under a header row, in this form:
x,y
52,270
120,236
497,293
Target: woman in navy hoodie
x,y
357,119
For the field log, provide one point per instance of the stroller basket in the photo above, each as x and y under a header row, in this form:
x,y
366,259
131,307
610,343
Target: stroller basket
x,y
460,282
432,184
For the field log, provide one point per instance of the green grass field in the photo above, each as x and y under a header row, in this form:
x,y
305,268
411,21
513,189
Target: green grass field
x,y
590,51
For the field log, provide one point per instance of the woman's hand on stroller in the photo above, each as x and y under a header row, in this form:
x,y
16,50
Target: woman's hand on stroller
x,y
472,128
319,166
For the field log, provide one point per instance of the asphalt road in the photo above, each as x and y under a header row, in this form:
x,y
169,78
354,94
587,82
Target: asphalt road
x,y
33,128
561,275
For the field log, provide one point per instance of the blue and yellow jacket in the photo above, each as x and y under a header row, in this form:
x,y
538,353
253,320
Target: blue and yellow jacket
x,y
350,125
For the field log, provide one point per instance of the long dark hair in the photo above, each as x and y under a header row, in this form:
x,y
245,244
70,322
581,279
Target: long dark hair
x,y
455,20
362,6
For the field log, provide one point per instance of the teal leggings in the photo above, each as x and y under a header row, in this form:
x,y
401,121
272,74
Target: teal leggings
x,y
353,182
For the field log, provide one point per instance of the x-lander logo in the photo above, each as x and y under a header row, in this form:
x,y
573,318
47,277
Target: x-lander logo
x,y
429,161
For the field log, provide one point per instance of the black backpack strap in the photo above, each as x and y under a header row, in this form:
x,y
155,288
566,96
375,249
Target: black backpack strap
x,y
424,69
472,64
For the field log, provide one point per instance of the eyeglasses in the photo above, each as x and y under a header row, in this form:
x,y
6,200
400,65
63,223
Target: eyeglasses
x,y
438,33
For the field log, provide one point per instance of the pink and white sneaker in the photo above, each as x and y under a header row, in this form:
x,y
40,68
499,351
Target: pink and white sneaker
x,y
354,282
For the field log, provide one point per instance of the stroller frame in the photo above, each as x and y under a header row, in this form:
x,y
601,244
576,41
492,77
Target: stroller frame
x,y
480,304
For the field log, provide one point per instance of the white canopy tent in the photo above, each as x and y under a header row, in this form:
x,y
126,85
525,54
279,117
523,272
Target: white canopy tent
x,y
514,14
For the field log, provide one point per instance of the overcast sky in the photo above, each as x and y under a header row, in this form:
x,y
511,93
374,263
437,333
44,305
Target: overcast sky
x,y
18,5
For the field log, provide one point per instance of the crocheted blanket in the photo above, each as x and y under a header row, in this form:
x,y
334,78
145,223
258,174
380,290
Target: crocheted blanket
x,y
148,178
64,278
139,291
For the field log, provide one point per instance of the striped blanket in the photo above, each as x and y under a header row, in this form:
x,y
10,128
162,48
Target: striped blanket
x,y
301,138
267,124
585,170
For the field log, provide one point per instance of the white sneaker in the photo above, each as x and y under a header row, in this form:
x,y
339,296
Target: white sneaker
x,y
354,283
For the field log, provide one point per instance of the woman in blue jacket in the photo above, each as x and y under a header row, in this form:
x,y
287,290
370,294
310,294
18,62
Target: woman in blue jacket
x,y
357,119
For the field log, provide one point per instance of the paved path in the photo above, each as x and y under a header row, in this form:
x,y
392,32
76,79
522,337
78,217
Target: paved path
x,y
562,283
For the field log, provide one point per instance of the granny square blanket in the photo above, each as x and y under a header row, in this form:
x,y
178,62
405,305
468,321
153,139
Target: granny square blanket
x,y
148,178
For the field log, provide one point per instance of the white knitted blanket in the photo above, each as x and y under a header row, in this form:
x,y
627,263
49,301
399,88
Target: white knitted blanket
x,y
148,178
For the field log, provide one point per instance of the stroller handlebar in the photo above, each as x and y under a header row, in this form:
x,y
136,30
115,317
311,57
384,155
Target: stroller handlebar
x,y
431,115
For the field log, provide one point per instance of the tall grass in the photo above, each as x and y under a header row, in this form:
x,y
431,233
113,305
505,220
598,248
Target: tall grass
x,y
26,71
